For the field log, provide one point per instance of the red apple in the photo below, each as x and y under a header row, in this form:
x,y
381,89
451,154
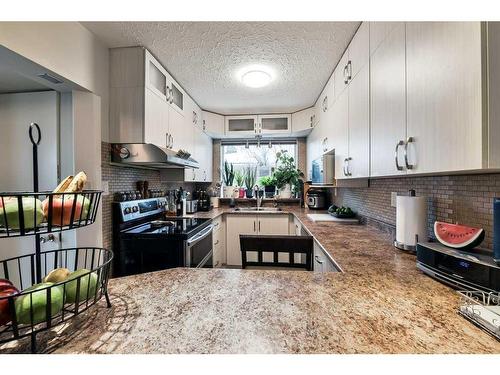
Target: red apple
x,y
4,283
6,291
59,209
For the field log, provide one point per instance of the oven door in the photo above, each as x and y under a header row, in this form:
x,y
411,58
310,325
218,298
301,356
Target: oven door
x,y
198,251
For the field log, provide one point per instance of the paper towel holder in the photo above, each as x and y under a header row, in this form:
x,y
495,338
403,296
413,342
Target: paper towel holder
x,y
406,247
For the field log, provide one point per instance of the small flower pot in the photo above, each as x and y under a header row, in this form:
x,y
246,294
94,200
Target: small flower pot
x,y
249,193
270,191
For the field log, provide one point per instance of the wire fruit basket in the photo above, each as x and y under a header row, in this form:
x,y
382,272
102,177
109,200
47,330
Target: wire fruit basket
x,y
44,305
482,309
44,289
27,213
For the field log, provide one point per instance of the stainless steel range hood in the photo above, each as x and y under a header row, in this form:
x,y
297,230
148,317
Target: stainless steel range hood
x,y
149,156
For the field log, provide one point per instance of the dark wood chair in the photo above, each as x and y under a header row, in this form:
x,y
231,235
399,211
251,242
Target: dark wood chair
x,y
276,244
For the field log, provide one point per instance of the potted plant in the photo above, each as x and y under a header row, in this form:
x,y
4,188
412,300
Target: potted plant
x,y
269,183
228,178
287,176
250,177
240,179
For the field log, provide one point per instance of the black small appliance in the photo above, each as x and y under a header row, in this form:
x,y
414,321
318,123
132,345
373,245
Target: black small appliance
x,y
474,269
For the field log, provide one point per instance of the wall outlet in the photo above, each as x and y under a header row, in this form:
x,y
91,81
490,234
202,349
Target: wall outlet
x,y
394,194
105,187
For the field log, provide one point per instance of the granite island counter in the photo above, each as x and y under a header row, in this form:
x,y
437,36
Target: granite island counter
x,y
380,304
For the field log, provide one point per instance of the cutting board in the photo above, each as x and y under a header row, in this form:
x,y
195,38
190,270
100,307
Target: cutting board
x,y
327,217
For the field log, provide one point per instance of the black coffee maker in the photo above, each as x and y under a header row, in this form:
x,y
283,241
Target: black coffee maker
x,y
203,200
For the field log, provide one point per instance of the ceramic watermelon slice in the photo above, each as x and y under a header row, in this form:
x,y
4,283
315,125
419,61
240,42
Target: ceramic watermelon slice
x,y
458,236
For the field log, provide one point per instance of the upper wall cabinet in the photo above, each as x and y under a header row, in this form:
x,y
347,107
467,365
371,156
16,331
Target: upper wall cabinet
x,y
213,124
146,104
274,124
387,97
242,126
354,59
444,97
303,122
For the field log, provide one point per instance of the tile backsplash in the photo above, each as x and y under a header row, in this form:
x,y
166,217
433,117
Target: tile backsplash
x,y
124,179
466,199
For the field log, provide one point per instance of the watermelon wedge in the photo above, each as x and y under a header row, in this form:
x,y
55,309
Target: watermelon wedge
x,y
458,236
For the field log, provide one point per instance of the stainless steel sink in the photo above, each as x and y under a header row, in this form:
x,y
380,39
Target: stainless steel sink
x,y
257,209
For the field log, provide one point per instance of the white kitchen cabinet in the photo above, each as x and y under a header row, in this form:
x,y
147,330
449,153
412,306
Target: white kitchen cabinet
x,y
359,50
155,119
236,225
181,136
388,99
251,224
241,126
146,104
379,31
201,149
321,261
274,124
325,124
251,125
213,124
219,242
156,76
358,163
353,60
340,131
444,96
340,81
303,122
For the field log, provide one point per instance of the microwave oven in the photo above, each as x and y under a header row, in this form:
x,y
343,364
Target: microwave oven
x,y
323,170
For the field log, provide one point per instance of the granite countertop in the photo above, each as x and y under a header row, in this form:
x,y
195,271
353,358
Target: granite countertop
x,y
380,304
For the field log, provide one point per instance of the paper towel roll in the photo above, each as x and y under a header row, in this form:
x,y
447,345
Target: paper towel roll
x,y
411,219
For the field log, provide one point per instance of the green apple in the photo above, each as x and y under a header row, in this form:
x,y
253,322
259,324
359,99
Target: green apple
x,y
33,212
37,303
87,282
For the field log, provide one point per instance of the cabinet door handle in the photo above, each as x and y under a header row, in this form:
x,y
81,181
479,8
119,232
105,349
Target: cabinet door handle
x,y
167,93
255,127
259,226
346,80
325,103
194,174
204,175
318,259
216,242
171,96
349,173
398,167
408,141
166,140
349,70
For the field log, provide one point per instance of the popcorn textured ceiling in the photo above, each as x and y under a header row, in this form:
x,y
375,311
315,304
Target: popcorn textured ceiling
x,y
204,57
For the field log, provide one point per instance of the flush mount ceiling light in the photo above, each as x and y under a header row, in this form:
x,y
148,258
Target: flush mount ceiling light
x,y
256,76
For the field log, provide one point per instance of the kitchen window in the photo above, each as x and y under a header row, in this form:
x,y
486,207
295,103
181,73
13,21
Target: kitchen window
x,y
260,154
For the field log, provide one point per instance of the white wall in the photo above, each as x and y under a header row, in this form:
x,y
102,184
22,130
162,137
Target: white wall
x,y
68,49
71,51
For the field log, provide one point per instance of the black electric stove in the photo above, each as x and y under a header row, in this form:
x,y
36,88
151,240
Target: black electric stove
x,y
145,240
169,227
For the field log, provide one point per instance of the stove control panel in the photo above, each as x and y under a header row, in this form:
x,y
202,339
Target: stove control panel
x,y
131,210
